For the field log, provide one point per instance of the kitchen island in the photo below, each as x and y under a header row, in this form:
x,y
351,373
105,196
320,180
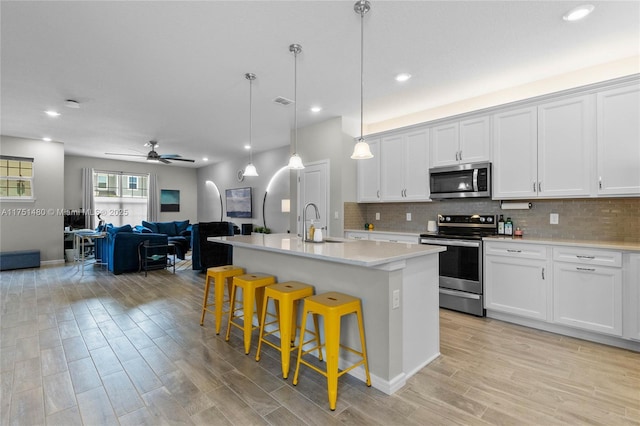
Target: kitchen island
x,y
397,282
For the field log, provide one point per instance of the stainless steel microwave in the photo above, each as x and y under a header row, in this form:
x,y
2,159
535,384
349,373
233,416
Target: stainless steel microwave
x,y
460,181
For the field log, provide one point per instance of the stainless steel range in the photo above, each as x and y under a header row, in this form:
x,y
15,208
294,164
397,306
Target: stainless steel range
x,y
461,281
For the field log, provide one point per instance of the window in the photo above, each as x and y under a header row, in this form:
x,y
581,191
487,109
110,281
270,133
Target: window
x,y
16,178
120,198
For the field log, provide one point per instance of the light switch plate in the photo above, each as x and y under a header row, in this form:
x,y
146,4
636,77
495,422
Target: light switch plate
x,y
377,216
554,218
395,303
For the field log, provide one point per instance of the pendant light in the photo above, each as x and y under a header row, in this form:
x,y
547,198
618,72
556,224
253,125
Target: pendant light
x,y
250,170
295,162
361,151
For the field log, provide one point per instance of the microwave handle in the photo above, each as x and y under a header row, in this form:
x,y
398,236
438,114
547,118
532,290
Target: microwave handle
x,y
475,180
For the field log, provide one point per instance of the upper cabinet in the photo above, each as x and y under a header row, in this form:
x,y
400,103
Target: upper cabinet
x,y
618,141
546,150
368,179
466,141
403,166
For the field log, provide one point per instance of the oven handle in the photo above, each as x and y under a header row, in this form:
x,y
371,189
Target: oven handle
x,y
460,294
455,243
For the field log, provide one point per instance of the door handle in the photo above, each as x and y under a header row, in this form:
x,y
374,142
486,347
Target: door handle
x,y
543,273
460,155
534,187
540,186
586,269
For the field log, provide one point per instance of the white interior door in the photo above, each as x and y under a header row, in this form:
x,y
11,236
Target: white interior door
x,y
313,187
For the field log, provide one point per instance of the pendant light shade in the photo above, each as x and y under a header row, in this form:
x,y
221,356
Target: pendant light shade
x,y
295,162
361,151
250,170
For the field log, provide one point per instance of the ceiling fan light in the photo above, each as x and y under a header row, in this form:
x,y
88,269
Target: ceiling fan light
x,y
250,170
578,13
295,162
152,160
361,151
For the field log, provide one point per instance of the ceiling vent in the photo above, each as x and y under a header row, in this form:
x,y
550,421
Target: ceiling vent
x,y
283,101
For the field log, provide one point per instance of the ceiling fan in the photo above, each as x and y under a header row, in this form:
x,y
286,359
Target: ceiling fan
x,y
154,157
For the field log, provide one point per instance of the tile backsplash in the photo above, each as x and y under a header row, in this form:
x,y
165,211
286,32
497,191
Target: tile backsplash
x,y
602,219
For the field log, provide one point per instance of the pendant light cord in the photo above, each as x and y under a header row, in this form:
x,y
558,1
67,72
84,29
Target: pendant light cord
x,y
362,12
250,120
295,98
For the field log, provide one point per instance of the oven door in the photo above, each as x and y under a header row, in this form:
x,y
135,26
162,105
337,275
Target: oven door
x,y
460,265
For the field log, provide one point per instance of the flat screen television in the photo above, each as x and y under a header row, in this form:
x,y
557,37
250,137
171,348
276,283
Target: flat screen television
x,y
239,202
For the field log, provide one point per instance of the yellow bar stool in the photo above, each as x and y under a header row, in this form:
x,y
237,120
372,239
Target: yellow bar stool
x,y
252,286
285,297
219,274
333,306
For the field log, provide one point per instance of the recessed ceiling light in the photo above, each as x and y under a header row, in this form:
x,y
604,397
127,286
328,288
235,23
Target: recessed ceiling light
x,y
205,159
46,139
51,113
247,147
403,77
578,13
316,109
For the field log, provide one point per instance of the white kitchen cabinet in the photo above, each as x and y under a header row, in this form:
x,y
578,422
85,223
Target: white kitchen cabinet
x,y
587,295
618,141
517,279
368,175
403,166
631,297
353,235
515,161
467,141
545,151
395,238
566,140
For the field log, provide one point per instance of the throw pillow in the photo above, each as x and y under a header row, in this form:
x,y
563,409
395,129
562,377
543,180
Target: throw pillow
x,y
168,228
142,229
150,225
181,226
117,230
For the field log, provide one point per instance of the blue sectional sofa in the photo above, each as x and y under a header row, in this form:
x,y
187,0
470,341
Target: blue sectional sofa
x,y
120,247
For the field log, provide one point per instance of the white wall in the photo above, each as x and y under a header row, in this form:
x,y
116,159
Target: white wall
x,y
216,178
21,231
169,177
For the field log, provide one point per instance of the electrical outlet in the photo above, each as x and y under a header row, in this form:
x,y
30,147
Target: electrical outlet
x,y
395,299
377,216
554,218
408,217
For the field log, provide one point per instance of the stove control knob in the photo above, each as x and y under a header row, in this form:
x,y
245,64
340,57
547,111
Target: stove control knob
x,y
490,219
481,219
448,219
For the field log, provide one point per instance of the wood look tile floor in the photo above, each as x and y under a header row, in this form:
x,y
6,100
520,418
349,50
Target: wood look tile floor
x,y
101,349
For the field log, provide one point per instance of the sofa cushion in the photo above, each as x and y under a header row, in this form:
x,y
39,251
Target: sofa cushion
x,y
181,226
116,230
168,228
151,225
142,229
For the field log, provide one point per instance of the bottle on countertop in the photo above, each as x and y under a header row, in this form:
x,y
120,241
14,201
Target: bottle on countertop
x,y
501,225
312,230
508,227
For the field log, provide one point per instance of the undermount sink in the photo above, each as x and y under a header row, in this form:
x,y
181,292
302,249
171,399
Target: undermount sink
x,y
335,240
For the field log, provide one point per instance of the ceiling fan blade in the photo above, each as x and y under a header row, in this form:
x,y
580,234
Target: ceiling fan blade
x,y
128,155
170,156
162,160
183,159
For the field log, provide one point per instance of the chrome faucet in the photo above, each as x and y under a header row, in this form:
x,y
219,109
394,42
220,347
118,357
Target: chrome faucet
x,y
304,219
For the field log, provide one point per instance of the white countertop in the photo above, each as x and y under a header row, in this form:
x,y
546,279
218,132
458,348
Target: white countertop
x,y
353,252
609,245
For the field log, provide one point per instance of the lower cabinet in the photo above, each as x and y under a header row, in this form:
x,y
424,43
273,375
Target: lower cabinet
x,y
582,288
631,297
382,236
588,297
517,280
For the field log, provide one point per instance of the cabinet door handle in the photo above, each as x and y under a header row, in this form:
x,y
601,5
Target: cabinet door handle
x,y
600,182
534,187
514,251
586,269
457,159
581,256
540,186
543,273
378,194
460,155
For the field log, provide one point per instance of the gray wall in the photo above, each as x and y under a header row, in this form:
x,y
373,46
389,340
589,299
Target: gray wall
x,y
30,232
221,176
169,177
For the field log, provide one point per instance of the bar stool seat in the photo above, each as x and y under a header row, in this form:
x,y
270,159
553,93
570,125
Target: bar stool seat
x,y
219,274
333,306
252,286
285,297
